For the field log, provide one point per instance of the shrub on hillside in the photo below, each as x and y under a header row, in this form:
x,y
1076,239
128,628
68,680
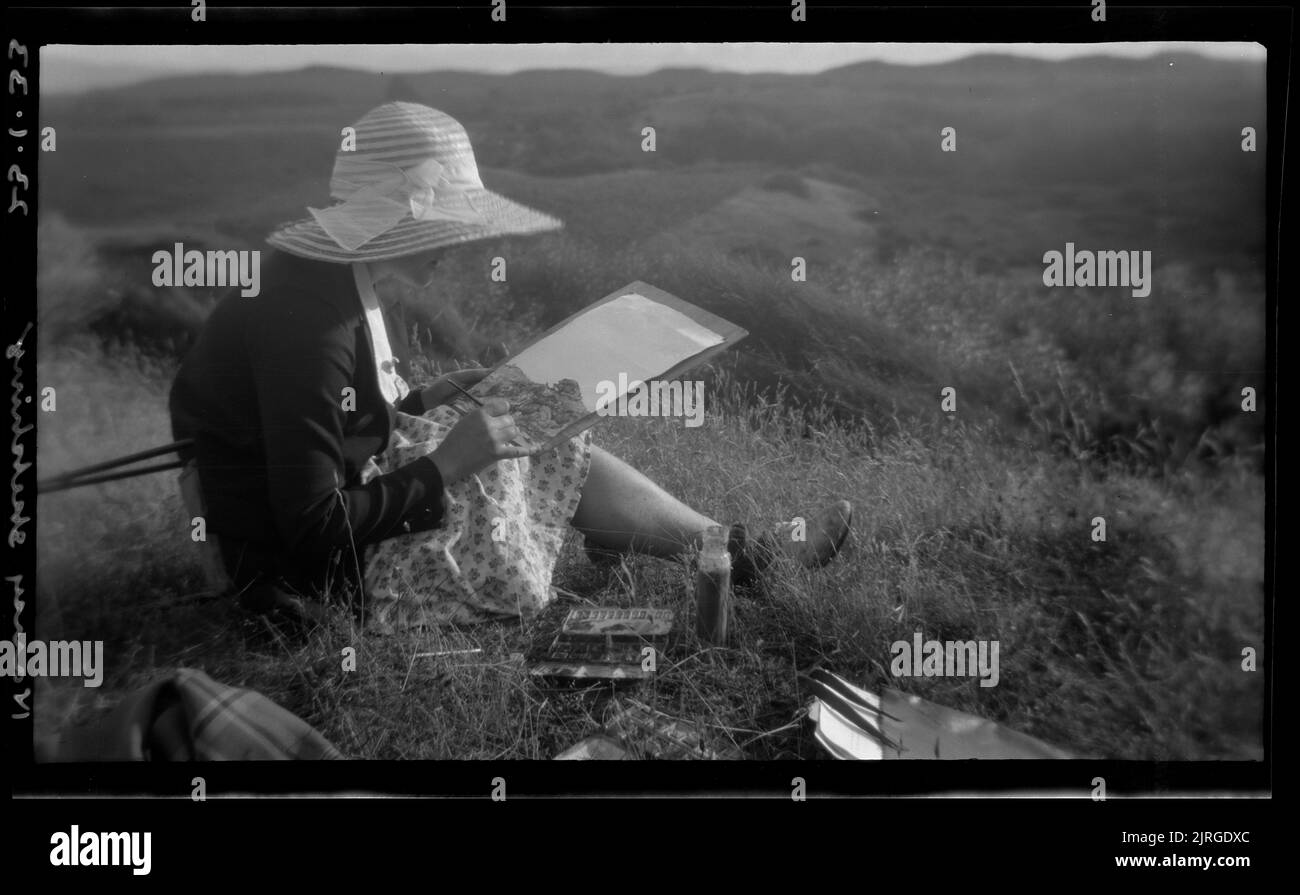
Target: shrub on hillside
x,y
85,293
1098,373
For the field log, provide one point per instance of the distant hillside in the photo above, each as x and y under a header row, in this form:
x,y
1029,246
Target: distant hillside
x,y
64,76
1163,125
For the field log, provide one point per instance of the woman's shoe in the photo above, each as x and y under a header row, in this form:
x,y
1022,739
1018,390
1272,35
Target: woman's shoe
x,y
812,544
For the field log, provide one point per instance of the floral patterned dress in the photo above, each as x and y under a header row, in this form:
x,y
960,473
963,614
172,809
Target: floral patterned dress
x,y
501,534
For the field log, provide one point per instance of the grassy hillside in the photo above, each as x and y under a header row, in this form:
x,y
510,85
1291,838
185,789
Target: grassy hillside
x,y
1127,649
924,271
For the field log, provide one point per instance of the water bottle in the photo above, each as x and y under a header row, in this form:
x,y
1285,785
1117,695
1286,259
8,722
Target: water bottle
x,y
713,587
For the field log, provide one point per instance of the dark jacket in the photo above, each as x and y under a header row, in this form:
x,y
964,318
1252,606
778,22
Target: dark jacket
x,y
262,395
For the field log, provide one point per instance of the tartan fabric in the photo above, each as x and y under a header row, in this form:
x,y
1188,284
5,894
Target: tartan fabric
x,y
188,716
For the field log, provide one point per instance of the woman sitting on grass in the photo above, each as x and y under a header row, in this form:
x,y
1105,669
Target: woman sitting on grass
x,y
313,461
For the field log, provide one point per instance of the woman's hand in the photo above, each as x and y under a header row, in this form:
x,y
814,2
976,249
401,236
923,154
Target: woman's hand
x,y
480,439
441,392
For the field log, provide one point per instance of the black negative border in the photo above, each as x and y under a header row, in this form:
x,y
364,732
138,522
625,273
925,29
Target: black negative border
x,y
530,22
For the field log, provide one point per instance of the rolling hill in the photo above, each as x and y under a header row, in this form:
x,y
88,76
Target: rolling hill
x,y
1122,149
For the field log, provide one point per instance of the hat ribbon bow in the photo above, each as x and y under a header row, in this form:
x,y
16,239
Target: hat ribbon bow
x,y
377,196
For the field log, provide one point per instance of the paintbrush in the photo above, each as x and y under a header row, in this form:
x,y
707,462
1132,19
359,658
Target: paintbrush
x,y
458,387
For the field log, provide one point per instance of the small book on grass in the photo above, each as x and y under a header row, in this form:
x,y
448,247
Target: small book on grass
x,y
606,643
622,353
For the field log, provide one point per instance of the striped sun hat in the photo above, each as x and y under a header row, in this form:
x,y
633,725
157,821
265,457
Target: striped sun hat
x,y
409,184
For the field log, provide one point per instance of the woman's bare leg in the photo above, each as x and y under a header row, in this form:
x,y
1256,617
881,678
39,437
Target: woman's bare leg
x,y
623,510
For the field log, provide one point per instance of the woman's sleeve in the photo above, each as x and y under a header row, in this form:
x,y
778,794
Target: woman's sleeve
x,y
303,358
413,403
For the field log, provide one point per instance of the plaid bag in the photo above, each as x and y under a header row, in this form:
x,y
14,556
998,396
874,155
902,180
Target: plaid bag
x,y
188,716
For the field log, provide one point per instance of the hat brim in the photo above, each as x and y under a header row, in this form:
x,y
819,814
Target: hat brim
x,y
501,217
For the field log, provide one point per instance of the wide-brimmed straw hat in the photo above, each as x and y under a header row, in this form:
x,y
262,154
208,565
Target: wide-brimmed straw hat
x,y
410,184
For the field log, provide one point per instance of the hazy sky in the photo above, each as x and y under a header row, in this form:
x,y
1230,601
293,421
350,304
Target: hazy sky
x,y
67,67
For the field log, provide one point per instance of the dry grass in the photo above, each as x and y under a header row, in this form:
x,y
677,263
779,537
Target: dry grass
x,y
1124,649
966,526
